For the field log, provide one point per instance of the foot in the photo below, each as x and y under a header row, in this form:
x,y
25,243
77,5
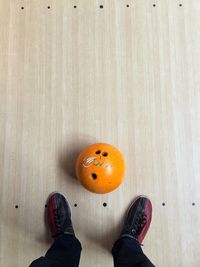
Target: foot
x,y
138,219
59,215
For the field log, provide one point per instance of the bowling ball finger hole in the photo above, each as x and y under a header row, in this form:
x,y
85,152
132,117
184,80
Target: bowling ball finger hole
x,y
105,154
94,176
98,152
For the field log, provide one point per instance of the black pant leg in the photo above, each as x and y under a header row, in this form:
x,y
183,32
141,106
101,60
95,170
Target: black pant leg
x,y
41,262
65,252
127,252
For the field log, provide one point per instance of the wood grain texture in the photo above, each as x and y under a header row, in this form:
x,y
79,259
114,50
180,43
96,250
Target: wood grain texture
x,y
128,76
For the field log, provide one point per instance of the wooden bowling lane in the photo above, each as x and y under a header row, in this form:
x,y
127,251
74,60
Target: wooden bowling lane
x,y
120,72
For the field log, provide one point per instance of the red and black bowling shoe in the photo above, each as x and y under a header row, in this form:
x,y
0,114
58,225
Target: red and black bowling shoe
x,y
59,215
138,219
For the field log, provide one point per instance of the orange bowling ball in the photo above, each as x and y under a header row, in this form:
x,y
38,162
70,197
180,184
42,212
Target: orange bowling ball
x,y
100,168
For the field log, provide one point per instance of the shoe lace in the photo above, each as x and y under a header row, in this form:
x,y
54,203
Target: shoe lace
x,y
139,224
57,219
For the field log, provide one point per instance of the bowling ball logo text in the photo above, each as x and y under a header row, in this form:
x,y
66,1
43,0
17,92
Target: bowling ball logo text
x,y
87,162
